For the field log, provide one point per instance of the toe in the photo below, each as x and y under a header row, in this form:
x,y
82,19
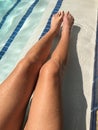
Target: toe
x,y
59,13
62,13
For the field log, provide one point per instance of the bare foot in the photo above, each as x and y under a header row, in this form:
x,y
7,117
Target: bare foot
x,y
68,21
56,22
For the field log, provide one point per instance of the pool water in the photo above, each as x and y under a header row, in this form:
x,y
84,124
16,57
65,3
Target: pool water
x,y
9,25
12,21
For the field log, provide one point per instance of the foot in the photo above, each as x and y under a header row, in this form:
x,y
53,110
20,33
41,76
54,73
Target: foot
x,y
56,22
68,21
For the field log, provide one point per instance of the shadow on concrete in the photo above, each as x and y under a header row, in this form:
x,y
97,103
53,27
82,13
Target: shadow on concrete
x,y
74,102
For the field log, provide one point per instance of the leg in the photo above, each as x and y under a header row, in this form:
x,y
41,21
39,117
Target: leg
x,y
45,111
60,53
16,90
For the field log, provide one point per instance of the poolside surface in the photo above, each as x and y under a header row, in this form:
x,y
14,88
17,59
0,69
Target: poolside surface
x,y
79,75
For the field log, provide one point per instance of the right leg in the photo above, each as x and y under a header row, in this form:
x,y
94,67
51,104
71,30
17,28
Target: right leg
x,y
45,111
16,90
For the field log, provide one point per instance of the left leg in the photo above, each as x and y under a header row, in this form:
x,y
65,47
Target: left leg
x,y
16,90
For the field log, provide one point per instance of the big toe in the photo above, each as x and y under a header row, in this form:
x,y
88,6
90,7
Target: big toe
x,y
62,14
59,14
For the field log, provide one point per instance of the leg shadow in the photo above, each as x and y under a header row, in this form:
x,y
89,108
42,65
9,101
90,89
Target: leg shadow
x,y
74,102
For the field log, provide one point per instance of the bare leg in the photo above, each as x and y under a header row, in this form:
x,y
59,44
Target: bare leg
x,y
16,90
60,53
45,111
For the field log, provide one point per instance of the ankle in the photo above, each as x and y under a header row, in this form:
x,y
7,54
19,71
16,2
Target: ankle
x,y
65,33
53,32
66,28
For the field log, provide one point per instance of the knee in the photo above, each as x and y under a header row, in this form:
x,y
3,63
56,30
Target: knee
x,y
24,65
50,68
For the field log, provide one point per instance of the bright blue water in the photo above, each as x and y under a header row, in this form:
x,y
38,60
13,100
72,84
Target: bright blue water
x,y
11,13
18,20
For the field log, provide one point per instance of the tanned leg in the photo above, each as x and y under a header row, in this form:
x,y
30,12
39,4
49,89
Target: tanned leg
x,y
45,111
16,90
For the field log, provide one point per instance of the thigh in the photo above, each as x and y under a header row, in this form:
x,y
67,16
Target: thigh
x,y
15,92
45,111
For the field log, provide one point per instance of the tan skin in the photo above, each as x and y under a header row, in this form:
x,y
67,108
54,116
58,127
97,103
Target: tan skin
x,y
15,91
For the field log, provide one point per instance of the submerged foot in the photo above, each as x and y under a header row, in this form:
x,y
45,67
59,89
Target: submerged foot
x,y
56,21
